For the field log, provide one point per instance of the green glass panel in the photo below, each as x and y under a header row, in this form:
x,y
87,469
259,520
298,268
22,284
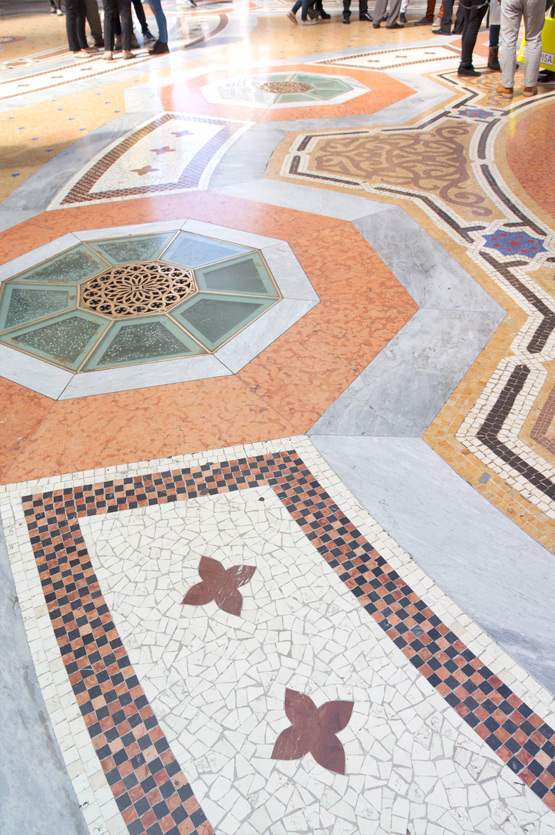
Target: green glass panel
x,y
65,340
71,267
190,250
324,95
296,97
330,84
213,318
145,340
240,275
132,249
22,304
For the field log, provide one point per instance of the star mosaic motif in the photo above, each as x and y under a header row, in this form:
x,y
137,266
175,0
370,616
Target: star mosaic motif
x,y
313,730
514,243
219,584
475,113
165,150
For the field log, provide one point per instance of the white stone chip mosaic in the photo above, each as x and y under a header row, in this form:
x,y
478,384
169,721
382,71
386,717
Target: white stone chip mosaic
x,y
217,682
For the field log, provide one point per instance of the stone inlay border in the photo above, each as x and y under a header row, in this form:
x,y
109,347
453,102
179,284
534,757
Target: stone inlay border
x,y
152,793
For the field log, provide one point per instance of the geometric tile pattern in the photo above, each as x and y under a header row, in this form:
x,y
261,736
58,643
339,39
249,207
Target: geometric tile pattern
x,y
446,169
134,754
283,90
136,299
384,59
168,153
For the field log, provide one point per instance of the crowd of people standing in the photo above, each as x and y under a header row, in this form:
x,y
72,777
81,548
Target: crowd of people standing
x,y
118,32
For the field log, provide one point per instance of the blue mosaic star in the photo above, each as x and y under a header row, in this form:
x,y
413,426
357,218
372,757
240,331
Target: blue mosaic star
x,y
476,113
514,243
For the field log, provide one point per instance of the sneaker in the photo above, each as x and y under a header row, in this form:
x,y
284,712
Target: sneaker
x,y
159,48
365,16
546,77
346,18
292,17
323,14
59,12
439,32
148,36
530,91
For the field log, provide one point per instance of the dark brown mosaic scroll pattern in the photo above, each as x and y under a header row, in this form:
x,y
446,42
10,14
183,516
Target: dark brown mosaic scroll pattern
x,y
148,785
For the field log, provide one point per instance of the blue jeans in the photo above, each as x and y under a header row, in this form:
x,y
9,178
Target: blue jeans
x,y
306,4
156,9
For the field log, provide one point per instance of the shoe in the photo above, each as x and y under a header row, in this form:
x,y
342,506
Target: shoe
x,y
323,14
308,22
80,54
530,91
395,26
159,48
52,9
90,50
376,25
470,72
312,13
493,59
59,12
403,17
365,16
127,55
346,18
424,22
117,44
505,91
108,56
292,17
546,77
148,36
439,32
134,41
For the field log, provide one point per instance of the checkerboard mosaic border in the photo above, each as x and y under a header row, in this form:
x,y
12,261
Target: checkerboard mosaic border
x,y
150,790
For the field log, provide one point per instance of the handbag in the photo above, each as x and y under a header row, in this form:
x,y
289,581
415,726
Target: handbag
x,y
548,45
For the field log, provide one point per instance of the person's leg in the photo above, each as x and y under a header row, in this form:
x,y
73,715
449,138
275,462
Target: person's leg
x,y
124,10
534,18
493,56
511,15
75,25
473,18
393,15
403,15
110,17
446,17
141,17
363,9
93,18
379,11
346,10
459,20
160,17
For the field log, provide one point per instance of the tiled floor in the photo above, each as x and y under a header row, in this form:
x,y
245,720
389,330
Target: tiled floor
x,y
277,461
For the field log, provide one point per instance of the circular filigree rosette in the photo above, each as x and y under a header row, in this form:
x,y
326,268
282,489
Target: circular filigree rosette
x,y
284,87
136,289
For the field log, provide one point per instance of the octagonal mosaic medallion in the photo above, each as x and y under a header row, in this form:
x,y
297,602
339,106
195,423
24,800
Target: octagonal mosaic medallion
x,y
115,309
135,299
284,90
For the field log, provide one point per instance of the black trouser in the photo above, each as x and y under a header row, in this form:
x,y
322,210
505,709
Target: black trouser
x,y
446,16
75,24
474,13
362,7
140,12
113,9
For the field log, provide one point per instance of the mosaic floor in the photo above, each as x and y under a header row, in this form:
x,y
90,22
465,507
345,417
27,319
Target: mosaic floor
x,y
277,461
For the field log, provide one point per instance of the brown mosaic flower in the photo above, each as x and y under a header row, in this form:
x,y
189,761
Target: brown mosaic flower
x,y
313,729
220,584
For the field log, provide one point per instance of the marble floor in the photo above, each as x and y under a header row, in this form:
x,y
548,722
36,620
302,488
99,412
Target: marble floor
x,y
277,459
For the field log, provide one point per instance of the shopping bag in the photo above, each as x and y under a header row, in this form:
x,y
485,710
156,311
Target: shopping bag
x,y
548,46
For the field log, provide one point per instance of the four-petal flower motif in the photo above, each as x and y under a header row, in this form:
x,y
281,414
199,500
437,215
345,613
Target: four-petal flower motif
x,y
219,584
313,729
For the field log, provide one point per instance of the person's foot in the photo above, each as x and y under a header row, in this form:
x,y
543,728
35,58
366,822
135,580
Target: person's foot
x,y
108,56
148,36
307,22
90,50
395,26
292,17
439,32
530,91
470,72
159,48
507,92
376,25
365,16
323,14
127,55
52,9
134,41
80,54
346,18
424,22
313,13
546,77
59,12
403,17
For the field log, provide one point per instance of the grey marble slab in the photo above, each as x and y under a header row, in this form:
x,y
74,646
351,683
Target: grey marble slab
x,y
33,373
318,201
491,568
11,217
35,256
248,157
404,388
41,187
424,268
288,273
36,794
